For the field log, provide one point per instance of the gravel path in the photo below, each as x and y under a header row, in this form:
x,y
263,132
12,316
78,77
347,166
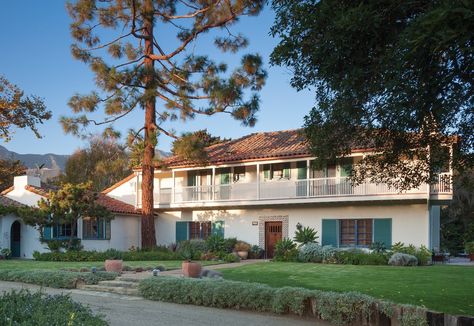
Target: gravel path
x,y
124,310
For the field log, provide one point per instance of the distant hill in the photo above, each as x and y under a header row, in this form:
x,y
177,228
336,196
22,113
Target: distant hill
x,y
50,160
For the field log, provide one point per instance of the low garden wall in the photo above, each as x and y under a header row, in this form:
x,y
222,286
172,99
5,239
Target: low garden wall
x,y
350,308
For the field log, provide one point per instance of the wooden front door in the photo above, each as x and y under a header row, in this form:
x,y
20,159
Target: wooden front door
x,y
273,233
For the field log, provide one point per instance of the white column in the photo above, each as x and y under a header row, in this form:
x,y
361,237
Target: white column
x,y
258,180
173,187
307,177
213,181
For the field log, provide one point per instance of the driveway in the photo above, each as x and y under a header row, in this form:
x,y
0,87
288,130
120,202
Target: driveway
x,y
124,310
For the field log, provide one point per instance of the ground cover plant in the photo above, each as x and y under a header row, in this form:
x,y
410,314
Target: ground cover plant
x,y
28,308
440,287
336,308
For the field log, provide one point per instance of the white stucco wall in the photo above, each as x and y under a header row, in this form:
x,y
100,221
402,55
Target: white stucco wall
x,y
410,223
29,236
124,233
126,192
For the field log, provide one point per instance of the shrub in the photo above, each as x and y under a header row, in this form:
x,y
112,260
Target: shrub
x,y
285,250
215,243
231,258
400,259
229,244
305,235
55,245
360,257
132,255
311,253
5,253
209,256
422,254
469,247
242,246
378,247
329,253
256,252
113,254
335,308
55,279
27,308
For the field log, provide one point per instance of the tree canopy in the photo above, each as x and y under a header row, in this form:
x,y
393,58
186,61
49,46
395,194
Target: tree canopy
x,y
191,145
393,76
126,45
103,162
9,169
18,110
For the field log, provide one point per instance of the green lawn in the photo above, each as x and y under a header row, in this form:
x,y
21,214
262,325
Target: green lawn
x,y
33,264
443,288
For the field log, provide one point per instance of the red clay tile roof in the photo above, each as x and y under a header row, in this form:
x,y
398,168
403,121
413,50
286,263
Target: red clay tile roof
x,y
256,146
118,184
5,201
113,205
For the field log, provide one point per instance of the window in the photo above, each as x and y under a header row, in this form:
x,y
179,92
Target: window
x,y
200,230
239,173
276,171
355,232
93,228
63,230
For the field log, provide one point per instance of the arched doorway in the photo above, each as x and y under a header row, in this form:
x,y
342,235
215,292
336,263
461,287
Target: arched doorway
x,y
15,238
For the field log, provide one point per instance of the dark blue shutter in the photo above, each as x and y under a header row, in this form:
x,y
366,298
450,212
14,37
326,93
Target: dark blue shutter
x,y
47,233
383,231
330,233
182,231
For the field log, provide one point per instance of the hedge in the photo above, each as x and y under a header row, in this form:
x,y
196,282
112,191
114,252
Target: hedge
x,y
26,308
84,255
55,279
336,308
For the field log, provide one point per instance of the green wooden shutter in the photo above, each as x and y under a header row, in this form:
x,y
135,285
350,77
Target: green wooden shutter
x,y
218,228
225,176
383,231
286,170
47,233
191,178
266,171
108,228
330,233
301,167
182,231
346,167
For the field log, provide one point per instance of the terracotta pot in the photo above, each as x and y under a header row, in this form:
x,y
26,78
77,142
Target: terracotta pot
x,y
471,257
243,254
114,265
191,269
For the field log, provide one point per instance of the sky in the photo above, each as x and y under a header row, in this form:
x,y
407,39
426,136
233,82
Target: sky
x,y
35,55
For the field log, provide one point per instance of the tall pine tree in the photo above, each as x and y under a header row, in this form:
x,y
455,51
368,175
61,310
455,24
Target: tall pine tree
x,y
123,43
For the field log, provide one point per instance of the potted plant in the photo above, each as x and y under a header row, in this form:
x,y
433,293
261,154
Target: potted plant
x,y
5,253
113,261
470,250
189,268
242,248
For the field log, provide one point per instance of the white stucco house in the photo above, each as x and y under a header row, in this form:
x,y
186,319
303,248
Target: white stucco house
x,y
258,188
120,233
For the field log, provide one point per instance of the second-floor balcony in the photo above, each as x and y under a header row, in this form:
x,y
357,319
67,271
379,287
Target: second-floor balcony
x,y
320,189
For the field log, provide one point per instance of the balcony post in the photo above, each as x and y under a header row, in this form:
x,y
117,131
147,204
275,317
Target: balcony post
x,y
213,182
258,181
307,178
173,186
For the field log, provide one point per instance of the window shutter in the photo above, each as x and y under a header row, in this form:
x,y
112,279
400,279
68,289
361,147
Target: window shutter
x,y
191,178
266,171
346,167
108,228
287,170
330,233
47,232
301,167
225,176
55,231
218,228
182,231
383,231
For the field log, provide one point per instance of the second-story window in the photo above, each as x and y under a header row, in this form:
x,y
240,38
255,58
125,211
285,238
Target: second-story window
x,y
276,171
239,173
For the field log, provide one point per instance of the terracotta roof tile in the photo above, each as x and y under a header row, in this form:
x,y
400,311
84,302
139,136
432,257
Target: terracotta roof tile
x,y
262,145
5,201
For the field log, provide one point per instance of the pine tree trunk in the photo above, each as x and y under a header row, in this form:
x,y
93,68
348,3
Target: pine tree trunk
x,y
148,220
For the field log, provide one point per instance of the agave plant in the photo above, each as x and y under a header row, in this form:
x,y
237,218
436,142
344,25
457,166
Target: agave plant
x,y
305,235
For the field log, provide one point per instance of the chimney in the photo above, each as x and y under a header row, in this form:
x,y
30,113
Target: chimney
x,y
26,180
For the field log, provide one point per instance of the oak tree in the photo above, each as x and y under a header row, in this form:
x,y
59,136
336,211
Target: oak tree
x,y
125,43
393,76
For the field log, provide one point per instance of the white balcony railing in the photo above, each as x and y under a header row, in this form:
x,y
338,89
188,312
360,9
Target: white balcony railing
x,y
290,189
